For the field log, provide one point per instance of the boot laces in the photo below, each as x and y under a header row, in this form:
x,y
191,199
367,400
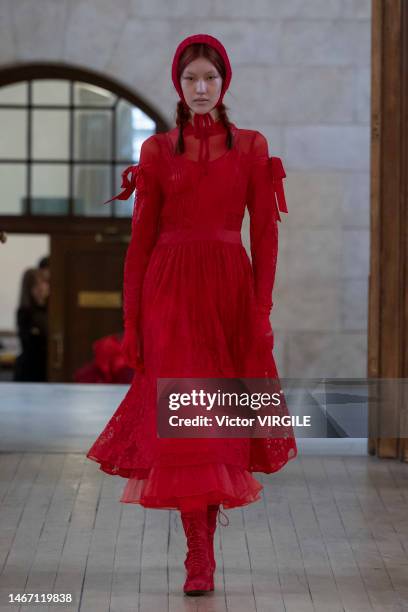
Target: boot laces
x,y
219,519
197,553
219,513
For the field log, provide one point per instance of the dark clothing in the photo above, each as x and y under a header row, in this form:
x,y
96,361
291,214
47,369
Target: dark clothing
x,y
31,364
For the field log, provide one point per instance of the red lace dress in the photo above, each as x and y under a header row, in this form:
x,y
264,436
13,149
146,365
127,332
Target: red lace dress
x,y
201,309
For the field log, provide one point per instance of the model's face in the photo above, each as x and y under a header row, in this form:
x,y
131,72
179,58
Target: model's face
x,y
201,84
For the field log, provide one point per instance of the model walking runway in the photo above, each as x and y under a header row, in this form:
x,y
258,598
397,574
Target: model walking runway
x,y
195,305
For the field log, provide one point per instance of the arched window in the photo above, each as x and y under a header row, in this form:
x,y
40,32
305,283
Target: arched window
x,y
66,136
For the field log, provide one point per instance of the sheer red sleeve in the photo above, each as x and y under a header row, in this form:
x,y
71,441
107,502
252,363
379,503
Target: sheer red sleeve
x,y
265,201
142,177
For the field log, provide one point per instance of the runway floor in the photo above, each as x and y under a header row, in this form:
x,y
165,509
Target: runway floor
x,y
330,534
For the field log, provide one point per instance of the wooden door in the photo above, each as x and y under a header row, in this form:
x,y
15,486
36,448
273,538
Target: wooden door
x,y
85,298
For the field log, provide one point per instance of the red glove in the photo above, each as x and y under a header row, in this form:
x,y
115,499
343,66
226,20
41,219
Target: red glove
x,y
132,349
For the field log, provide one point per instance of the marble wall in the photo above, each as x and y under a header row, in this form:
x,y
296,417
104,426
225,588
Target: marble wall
x,y
301,75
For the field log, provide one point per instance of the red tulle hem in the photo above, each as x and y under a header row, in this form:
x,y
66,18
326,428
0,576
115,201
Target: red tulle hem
x,y
193,486
114,470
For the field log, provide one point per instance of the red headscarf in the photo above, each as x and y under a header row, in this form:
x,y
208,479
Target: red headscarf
x,y
212,42
201,121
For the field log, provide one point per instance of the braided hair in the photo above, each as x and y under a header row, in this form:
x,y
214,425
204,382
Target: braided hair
x,y
183,114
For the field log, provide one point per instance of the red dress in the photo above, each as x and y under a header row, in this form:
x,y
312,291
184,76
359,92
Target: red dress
x,y
201,309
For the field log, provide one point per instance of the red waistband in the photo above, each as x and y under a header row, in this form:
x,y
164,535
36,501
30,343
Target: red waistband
x,y
185,235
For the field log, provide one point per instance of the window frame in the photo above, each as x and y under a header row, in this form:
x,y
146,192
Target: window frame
x,y
31,223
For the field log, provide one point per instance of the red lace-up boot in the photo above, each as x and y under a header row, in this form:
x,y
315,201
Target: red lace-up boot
x,y
197,564
212,514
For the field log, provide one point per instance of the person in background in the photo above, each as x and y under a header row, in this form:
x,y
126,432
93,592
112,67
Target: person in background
x,y
44,266
31,319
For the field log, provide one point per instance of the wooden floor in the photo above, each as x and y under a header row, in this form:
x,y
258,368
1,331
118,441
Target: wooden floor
x,y
330,534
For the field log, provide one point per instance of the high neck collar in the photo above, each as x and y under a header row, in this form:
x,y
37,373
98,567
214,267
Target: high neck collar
x,y
203,125
202,128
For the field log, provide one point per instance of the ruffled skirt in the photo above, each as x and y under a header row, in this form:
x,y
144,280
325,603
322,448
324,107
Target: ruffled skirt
x,y
194,486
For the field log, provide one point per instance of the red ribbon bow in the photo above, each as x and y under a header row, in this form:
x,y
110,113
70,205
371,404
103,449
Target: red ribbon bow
x,y
128,185
278,173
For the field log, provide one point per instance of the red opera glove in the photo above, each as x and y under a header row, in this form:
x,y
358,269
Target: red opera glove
x,y
132,349
265,201
144,179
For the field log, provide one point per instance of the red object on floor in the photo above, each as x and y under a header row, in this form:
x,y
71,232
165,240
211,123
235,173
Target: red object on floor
x,y
109,365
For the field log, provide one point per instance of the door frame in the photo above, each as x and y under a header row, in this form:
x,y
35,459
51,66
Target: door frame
x,y
388,280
